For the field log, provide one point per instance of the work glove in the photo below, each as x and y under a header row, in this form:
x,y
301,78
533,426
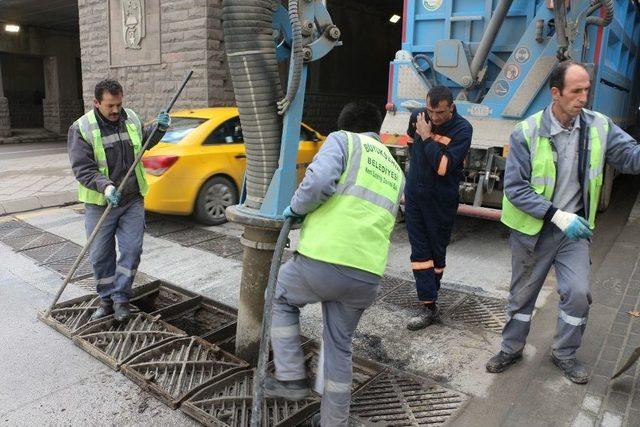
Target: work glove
x,y
289,213
572,225
112,195
164,121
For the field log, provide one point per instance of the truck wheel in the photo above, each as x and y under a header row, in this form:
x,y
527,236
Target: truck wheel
x,y
213,198
607,186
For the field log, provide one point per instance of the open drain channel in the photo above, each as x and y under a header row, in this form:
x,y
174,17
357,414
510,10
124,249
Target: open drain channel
x,y
399,399
177,369
228,403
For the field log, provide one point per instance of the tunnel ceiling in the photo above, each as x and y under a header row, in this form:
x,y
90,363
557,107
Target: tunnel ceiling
x,y
53,14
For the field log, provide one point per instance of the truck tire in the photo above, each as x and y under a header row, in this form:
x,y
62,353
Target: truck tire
x,y
213,198
607,186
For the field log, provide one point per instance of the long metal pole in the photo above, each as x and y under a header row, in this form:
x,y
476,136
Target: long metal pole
x,y
489,37
92,237
261,371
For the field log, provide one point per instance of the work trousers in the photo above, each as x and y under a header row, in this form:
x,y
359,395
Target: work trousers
x,y
530,266
304,281
429,225
126,225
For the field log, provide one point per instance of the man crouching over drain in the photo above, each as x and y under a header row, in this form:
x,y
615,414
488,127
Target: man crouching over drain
x,y
348,201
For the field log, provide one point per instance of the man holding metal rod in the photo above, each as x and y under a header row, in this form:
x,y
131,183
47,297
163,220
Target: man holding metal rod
x,y
103,144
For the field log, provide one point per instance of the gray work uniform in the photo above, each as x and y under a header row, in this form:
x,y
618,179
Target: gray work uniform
x,y
125,222
344,292
533,256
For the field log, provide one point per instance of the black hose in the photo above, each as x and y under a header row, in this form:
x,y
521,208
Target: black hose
x,y
296,55
251,53
263,356
597,20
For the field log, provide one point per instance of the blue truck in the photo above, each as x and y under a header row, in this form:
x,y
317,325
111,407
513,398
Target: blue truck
x,y
496,56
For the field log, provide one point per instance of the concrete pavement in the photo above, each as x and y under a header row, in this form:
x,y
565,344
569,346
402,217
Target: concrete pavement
x,y
34,176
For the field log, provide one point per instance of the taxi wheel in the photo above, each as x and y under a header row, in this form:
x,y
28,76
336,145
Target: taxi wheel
x,y
214,197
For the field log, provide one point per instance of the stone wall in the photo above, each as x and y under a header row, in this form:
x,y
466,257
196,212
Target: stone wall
x,y
58,116
190,38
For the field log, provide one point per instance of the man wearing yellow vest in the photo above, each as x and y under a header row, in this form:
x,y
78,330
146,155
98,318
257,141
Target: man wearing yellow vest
x,y
552,184
348,198
103,145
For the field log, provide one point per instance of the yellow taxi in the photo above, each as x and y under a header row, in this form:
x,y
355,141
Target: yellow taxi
x,y
198,166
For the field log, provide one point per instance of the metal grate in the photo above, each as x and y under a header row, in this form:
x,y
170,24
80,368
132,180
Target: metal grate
x,y
192,236
228,403
388,284
89,283
63,267
17,229
32,241
405,296
53,252
115,342
489,313
400,399
363,370
225,246
177,369
162,227
69,316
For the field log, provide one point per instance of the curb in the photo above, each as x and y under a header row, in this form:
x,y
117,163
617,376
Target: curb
x,y
24,204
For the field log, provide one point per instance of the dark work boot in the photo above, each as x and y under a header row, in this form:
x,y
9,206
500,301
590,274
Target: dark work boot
x,y
572,369
429,314
501,361
121,311
290,390
104,309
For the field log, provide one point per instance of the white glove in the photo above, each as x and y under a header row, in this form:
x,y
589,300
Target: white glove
x,y
112,195
109,190
572,225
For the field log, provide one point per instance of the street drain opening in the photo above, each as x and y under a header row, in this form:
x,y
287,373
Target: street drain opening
x,y
177,369
159,295
401,399
489,313
69,316
228,403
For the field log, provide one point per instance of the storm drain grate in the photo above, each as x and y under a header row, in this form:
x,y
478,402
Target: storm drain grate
x,y
192,236
177,369
89,283
225,246
363,370
17,229
33,241
53,252
69,316
63,267
388,284
228,403
114,342
405,296
489,313
155,296
400,399
162,227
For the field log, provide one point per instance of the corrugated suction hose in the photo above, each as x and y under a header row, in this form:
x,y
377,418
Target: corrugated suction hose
x,y
251,53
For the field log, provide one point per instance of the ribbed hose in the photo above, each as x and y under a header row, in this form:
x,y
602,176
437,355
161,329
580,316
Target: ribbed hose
x,y
608,16
248,37
296,52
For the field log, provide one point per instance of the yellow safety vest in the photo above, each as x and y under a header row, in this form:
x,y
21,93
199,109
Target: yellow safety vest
x,y
90,131
352,228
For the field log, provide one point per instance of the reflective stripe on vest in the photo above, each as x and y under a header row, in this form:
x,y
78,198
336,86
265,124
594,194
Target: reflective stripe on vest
x,y
353,226
543,172
90,131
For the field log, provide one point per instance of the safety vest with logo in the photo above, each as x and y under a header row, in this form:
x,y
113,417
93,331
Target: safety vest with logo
x,y
353,226
543,172
90,131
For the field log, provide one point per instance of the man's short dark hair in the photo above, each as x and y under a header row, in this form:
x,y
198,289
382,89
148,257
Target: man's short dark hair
x,y
108,85
360,117
437,94
556,79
